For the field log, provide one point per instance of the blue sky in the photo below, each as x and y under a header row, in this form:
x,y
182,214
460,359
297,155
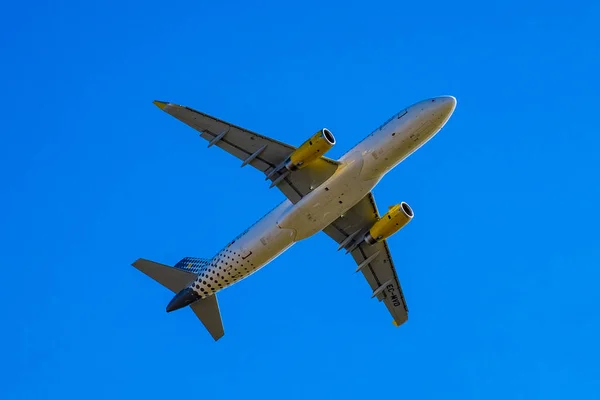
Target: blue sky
x,y
499,266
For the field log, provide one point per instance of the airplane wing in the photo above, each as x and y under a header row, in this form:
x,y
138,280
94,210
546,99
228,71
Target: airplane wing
x,y
261,152
374,261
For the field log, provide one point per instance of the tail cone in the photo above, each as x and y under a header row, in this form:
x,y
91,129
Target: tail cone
x,y
182,299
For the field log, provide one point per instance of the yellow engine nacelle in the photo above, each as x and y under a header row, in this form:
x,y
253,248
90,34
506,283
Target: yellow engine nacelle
x,y
310,150
395,219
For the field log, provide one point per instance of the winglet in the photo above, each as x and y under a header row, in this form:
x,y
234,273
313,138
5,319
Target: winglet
x,y
160,104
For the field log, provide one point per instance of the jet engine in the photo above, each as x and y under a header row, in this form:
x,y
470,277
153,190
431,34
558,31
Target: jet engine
x,y
310,150
395,219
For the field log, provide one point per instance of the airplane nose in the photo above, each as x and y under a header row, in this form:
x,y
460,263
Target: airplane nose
x,y
184,298
446,104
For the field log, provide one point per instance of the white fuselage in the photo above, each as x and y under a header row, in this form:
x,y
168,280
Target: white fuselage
x,y
360,170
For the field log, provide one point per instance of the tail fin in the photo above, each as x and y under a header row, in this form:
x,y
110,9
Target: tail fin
x,y
178,278
192,264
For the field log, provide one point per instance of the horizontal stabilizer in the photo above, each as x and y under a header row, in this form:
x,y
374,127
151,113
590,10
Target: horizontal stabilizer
x,y
207,310
179,277
172,278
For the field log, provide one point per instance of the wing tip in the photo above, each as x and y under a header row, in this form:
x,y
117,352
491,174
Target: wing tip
x,y
402,321
160,104
137,262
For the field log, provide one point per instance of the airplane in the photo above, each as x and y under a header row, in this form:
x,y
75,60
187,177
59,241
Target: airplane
x,y
322,194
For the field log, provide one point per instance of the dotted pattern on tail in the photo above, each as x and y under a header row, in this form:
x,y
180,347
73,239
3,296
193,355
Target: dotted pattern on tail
x,y
223,270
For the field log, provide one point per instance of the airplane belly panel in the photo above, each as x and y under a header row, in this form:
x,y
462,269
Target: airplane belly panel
x,y
328,202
